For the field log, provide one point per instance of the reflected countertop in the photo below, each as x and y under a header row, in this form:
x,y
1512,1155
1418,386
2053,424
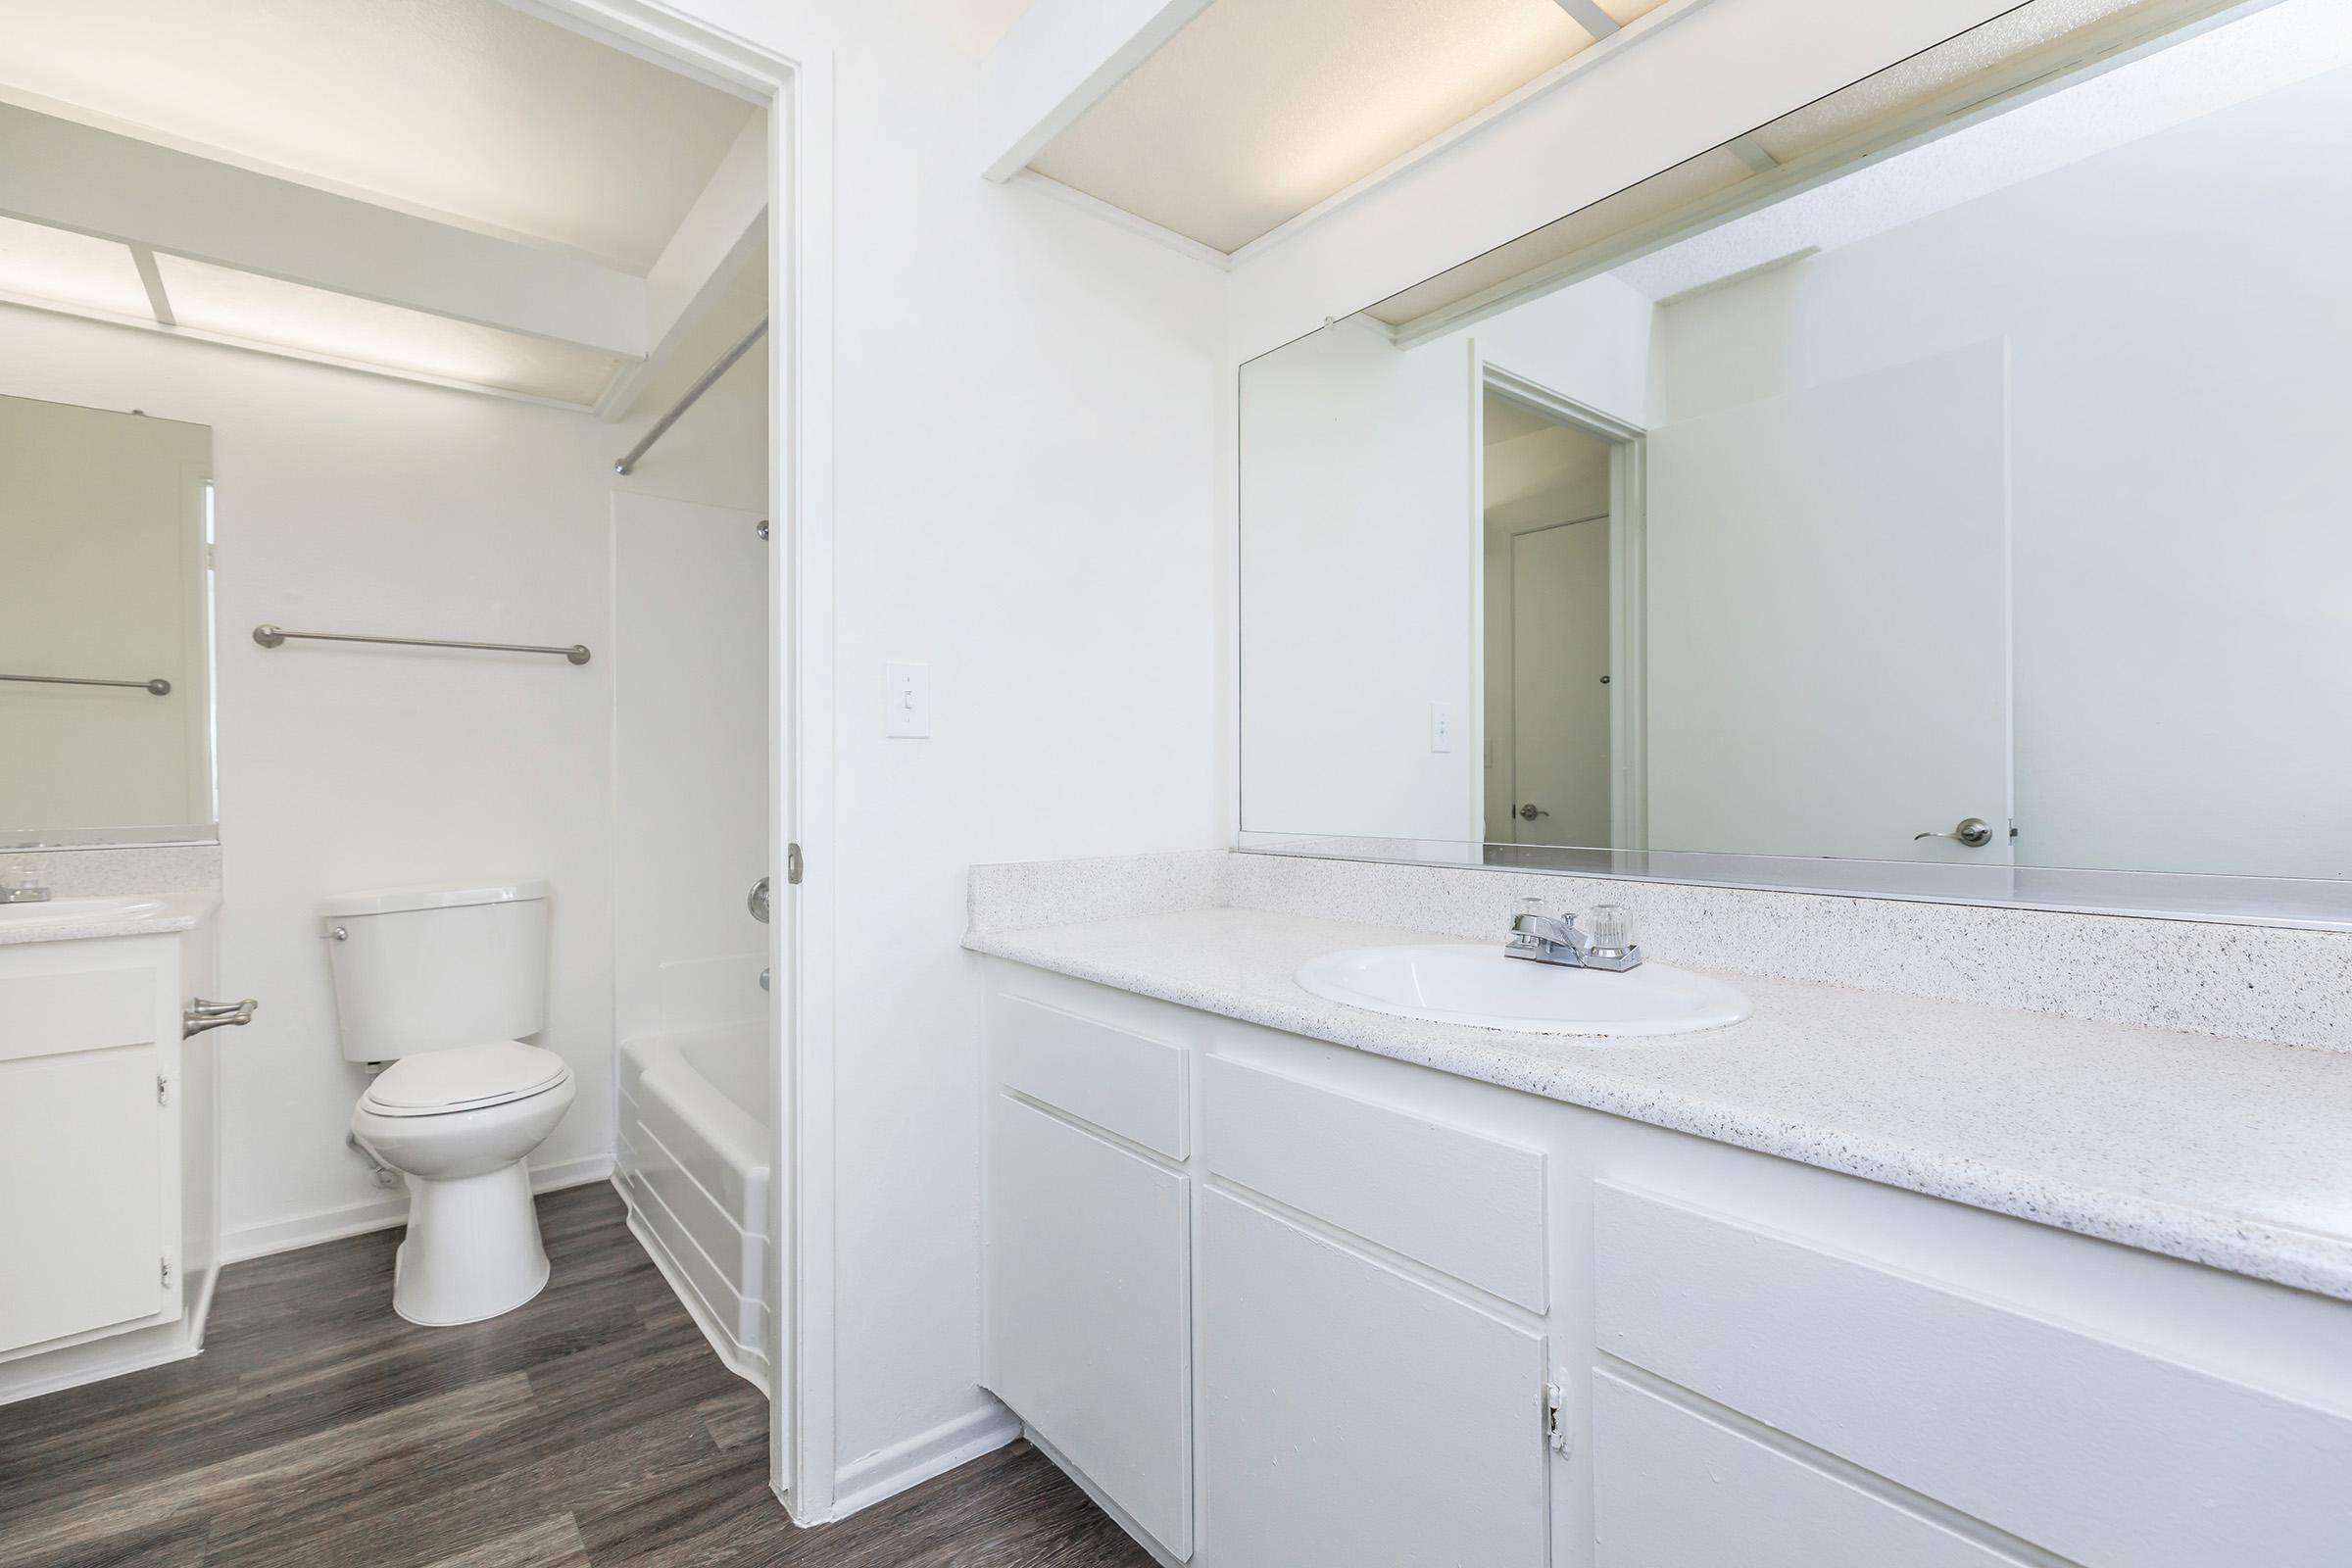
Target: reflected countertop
x,y
2229,1152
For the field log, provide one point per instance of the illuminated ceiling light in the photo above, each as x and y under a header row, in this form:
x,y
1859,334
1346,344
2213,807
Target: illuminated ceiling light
x,y
269,311
40,265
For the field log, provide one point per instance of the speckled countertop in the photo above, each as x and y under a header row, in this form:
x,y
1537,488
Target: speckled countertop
x,y
2227,1153
72,919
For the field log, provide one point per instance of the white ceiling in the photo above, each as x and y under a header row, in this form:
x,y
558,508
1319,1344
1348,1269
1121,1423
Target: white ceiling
x,y
456,108
1260,108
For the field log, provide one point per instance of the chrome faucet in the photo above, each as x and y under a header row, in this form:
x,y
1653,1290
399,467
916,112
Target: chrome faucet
x,y
20,885
1542,938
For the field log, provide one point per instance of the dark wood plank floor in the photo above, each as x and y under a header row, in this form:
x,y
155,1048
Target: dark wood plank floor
x,y
591,1429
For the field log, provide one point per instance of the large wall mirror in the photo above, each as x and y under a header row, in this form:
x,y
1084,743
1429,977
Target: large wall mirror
x,y
1939,490
105,637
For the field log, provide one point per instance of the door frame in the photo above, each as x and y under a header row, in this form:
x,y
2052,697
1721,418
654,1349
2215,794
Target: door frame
x,y
791,76
1629,535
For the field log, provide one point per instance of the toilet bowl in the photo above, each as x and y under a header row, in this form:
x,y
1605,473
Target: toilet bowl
x,y
436,989
460,1124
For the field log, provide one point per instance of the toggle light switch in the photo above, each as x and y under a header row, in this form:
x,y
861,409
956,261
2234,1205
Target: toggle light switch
x,y
906,713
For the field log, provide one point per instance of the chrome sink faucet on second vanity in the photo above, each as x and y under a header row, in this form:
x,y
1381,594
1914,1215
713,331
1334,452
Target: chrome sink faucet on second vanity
x,y
1556,939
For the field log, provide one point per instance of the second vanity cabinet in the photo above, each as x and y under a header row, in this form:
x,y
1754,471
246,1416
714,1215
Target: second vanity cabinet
x,y
1281,1305
107,1147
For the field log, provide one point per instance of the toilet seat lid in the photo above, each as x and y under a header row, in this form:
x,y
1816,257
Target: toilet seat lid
x,y
463,1078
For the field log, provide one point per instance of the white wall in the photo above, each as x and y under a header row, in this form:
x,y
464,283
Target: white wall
x,y
2173,313
1025,450
1360,546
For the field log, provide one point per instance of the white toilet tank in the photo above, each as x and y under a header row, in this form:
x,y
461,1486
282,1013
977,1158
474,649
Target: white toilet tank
x,y
429,968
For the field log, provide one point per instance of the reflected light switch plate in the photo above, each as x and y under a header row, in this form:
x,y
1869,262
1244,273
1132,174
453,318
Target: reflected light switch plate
x,y
907,714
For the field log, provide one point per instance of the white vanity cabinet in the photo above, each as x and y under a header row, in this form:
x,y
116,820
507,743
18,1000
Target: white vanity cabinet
x,y
1280,1304
107,1157
1087,1292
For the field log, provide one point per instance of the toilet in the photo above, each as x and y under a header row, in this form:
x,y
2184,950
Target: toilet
x,y
438,987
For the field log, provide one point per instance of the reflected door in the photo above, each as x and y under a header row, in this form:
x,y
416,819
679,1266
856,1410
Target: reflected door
x,y
1559,734
1828,640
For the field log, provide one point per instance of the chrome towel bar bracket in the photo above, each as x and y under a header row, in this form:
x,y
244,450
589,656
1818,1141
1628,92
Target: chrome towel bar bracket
x,y
273,636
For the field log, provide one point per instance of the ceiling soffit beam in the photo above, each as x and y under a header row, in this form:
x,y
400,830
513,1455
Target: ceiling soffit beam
x,y
1589,17
72,177
1056,63
714,241
152,280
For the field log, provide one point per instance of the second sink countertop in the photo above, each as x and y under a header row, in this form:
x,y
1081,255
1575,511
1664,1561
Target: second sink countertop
x,y
59,922
2227,1153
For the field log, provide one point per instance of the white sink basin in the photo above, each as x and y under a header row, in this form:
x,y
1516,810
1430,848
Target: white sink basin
x,y
61,912
1456,982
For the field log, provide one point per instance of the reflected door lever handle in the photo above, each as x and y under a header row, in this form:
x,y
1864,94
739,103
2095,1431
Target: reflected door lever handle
x,y
1972,832
1528,813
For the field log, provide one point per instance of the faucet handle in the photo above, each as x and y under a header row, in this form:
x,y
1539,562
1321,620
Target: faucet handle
x,y
1612,927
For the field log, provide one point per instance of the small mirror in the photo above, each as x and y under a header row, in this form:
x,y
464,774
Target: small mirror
x,y
1954,489
105,637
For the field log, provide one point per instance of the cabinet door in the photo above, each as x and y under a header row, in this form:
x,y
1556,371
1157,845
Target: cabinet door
x,y
1355,1417
1089,1324
86,1151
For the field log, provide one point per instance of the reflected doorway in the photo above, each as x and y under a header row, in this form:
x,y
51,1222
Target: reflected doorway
x,y
1553,493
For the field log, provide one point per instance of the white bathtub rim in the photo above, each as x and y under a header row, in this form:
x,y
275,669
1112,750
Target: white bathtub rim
x,y
662,1069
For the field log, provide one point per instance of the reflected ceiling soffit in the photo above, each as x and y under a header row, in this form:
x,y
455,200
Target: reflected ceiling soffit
x,y
2044,69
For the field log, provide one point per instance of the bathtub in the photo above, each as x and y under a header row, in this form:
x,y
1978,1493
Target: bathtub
x,y
693,1163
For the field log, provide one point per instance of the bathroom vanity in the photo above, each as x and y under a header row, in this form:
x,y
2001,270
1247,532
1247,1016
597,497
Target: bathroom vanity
x,y
1864,1280
108,1129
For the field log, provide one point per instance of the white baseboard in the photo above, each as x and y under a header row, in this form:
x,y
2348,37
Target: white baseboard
x,y
382,1213
111,1355
886,1472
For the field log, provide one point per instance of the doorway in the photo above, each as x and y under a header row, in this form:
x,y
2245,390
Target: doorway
x,y
1555,557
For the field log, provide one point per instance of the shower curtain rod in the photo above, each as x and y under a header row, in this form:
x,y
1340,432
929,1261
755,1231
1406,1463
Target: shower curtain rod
x,y
718,368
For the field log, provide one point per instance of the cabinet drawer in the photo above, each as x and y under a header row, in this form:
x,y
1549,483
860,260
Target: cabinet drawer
x,y
1671,1489
2109,1455
1122,1082
1088,1322
1465,1204
80,1009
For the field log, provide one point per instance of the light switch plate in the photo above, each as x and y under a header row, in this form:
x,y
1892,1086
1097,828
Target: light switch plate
x,y
907,712
1440,726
